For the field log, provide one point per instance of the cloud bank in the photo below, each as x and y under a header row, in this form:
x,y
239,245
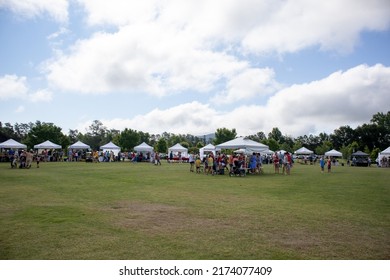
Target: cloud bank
x,y
216,50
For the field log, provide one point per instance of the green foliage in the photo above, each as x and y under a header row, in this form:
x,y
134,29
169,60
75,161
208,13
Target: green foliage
x,y
128,139
276,134
41,132
326,146
161,146
373,135
374,154
272,144
224,134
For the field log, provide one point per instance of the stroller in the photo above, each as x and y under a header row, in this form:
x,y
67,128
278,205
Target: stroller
x,y
238,169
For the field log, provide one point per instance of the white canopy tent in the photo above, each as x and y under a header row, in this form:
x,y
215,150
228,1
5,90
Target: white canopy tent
x,y
79,146
143,147
243,143
303,151
386,152
267,152
12,144
47,145
381,155
333,153
110,147
178,148
207,148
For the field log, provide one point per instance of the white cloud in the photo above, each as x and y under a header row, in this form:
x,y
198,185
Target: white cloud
x,y
248,84
343,98
349,98
149,59
192,117
170,47
20,109
14,87
42,95
295,25
56,9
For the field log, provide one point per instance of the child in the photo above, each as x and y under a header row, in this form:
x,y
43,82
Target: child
x,y
197,165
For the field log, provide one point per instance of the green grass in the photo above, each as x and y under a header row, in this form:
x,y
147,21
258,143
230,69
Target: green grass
x,y
142,211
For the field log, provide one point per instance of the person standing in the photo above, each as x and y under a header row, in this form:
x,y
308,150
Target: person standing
x,y
11,156
275,159
171,157
329,164
253,163
157,159
192,162
210,164
29,158
287,162
198,162
322,164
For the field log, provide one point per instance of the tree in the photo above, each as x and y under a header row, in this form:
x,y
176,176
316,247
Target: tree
x,y
96,135
326,146
161,146
128,139
7,132
73,135
276,134
382,121
272,144
41,132
22,129
223,134
258,137
344,135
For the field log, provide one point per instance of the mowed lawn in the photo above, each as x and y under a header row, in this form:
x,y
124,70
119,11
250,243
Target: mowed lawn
x,y
141,211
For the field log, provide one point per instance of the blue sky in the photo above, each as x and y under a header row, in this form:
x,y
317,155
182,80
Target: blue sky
x,y
194,66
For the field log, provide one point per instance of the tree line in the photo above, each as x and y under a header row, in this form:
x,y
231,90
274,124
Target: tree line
x,y
370,138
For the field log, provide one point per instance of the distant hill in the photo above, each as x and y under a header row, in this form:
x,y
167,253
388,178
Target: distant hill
x,y
208,138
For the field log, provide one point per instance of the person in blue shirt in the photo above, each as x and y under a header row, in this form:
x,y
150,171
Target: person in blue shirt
x,y
322,164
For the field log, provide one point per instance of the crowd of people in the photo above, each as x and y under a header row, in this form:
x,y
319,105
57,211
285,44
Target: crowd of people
x,y
240,164
23,158
210,164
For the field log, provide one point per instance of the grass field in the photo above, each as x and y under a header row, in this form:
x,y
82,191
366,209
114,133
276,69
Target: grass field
x,y
141,211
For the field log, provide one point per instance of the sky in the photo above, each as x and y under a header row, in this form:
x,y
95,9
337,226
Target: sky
x,y
191,67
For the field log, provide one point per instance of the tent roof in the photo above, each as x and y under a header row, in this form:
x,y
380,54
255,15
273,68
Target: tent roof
x,y
208,147
79,145
385,152
303,151
143,147
333,153
359,153
267,152
109,146
47,145
12,144
178,148
242,142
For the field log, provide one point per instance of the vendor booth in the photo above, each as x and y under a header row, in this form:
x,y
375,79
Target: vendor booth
x,y
209,148
12,144
110,147
47,152
359,159
178,153
383,159
243,143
